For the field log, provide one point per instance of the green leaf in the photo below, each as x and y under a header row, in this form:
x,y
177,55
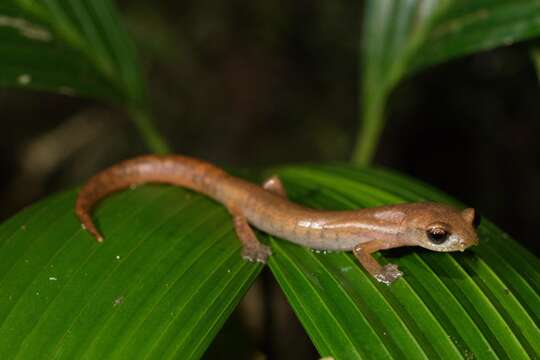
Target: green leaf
x,y
402,37
170,273
75,47
162,284
483,303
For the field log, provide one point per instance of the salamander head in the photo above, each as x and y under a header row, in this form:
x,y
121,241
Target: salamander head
x,y
440,227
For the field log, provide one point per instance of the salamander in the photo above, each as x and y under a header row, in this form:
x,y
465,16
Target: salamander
x,y
433,226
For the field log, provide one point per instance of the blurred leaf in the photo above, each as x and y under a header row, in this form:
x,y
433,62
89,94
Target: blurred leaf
x,y
75,47
401,37
170,272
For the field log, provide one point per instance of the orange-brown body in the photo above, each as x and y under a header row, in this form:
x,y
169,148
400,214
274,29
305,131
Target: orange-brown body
x,y
363,231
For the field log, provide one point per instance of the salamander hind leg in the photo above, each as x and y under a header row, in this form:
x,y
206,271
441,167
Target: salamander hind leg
x,y
252,250
385,274
274,185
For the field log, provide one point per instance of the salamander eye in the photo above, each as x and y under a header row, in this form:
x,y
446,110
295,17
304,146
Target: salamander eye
x,y
437,234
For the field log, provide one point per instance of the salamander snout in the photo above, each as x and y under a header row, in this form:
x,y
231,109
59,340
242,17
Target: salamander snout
x,y
443,228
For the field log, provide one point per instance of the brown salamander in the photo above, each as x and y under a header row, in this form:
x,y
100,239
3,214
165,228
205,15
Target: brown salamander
x,y
433,226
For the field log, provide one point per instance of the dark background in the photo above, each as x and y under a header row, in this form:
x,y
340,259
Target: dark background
x,y
245,84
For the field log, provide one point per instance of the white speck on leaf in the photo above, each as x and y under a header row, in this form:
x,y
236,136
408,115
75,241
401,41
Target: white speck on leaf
x,y
346,268
25,28
117,257
52,278
24,79
469,355
118,301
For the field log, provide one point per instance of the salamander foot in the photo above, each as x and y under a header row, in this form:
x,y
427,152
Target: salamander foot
x,y
256,252
388,274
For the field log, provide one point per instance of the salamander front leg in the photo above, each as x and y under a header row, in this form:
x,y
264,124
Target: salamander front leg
x,y
385,274
274,185
252,250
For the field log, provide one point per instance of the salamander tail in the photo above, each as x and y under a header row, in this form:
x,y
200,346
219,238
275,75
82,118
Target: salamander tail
x,y
86,221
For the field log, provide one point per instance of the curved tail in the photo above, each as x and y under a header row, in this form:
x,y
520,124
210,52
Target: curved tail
x,y
169,169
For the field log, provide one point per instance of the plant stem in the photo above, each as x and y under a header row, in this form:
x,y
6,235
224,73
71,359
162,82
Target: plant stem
x,y
370,130
535,55
152,138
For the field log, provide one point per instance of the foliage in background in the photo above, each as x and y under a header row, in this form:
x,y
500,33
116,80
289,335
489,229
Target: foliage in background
x,y
77,48
403,37
66,296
